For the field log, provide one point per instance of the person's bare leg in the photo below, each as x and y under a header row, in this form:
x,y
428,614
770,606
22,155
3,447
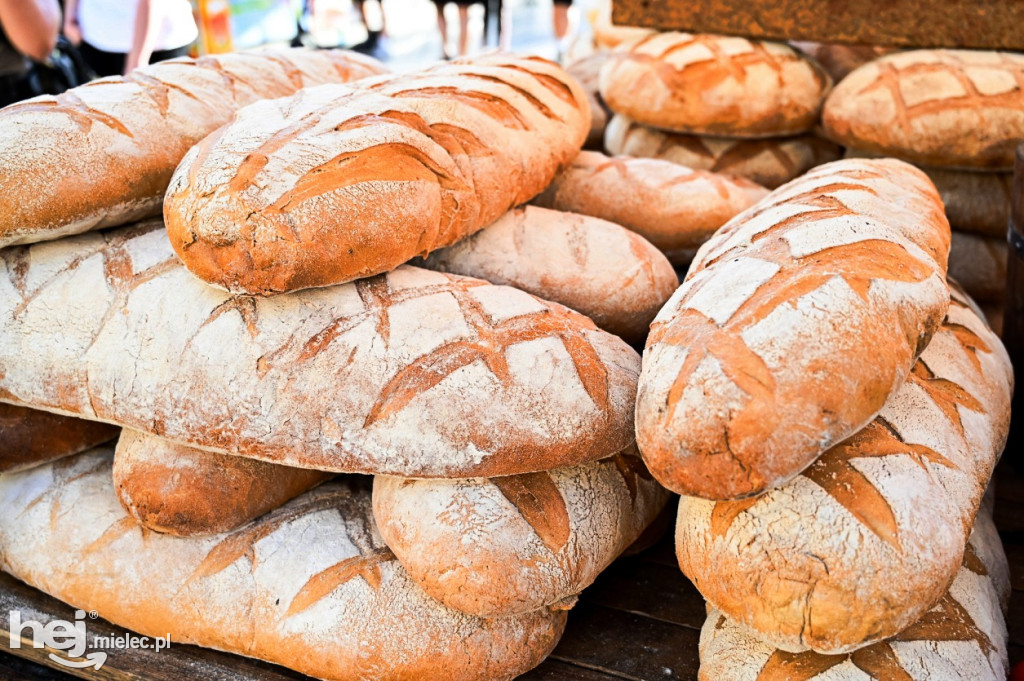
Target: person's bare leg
x,y
561,21
442,26
463,30
383,18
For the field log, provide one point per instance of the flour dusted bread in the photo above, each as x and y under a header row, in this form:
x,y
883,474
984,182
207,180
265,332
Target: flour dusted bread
x,y
185,491
413,373
963,637
675,208
587,71
102,154
310,586
30,437
597,268
334,185
796,322
947,108
866,540
714,85
502,546
978,263
768,162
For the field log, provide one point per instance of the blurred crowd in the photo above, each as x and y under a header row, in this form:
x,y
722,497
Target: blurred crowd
x,y
48,46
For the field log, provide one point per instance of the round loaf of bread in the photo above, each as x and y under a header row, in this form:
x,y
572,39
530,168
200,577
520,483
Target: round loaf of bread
x,y
587,71
946,108
714,85
978,263
768,162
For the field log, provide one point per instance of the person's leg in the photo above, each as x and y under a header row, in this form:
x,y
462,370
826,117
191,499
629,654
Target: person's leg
x,y
101,62
561,20
383,18
463,30
442,27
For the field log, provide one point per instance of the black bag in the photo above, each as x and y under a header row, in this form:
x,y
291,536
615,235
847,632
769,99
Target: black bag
x,y
63,70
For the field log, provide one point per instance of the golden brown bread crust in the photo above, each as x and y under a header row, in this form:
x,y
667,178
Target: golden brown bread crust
x,y
674,208
768,162
978,264
587,71
714,85
184,491
945,108
30,437
310,586
334,185
796,322
102,154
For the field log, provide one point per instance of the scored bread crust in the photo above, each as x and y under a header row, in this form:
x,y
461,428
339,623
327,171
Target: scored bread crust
x,y
102,154
601,270
714,85
412,373
796,322
978,264
310,586
769,162
185,491
509,545
963,637
868,538
31,437
336,183
946,108
676,209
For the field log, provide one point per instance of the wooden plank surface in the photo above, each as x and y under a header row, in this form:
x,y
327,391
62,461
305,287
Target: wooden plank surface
x,y
988,24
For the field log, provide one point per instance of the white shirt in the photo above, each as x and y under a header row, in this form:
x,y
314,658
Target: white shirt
x,y
109,25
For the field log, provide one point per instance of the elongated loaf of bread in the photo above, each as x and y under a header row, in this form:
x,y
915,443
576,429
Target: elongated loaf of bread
x,y
413,373
963,637
600,269
714,85
509,545
978,263
30,437
310,586
335,185
868,538
955,108
795,324
185,491
675,208
587,71
768,162
102,154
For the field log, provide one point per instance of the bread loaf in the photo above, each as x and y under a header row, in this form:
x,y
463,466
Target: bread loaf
x,y
955,108
714,85
597,268
768,162
868,538
310,586
504,546
795,324
837,59
978,263
962,637
30,437
102,154
607,34
587,71
184,491
412,373
335,185
675,208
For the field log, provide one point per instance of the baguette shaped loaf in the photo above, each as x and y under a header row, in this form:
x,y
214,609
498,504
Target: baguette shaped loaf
x,y
310,586
102,154
795,324
675,208
868,538
509,545
768,162
714,85
615,277
334,185
413,373
185,491
587,71
31,437
978,263
947,108
963,637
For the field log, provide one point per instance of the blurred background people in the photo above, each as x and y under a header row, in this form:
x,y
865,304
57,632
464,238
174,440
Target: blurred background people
x,y
28,31
442,25
561,22
115,36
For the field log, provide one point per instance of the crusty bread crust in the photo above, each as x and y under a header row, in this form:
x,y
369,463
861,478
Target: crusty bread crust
x,y
30,437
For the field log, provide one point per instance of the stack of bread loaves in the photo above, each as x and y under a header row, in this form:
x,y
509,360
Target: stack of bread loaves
x,y
272,336
958,114
832,411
